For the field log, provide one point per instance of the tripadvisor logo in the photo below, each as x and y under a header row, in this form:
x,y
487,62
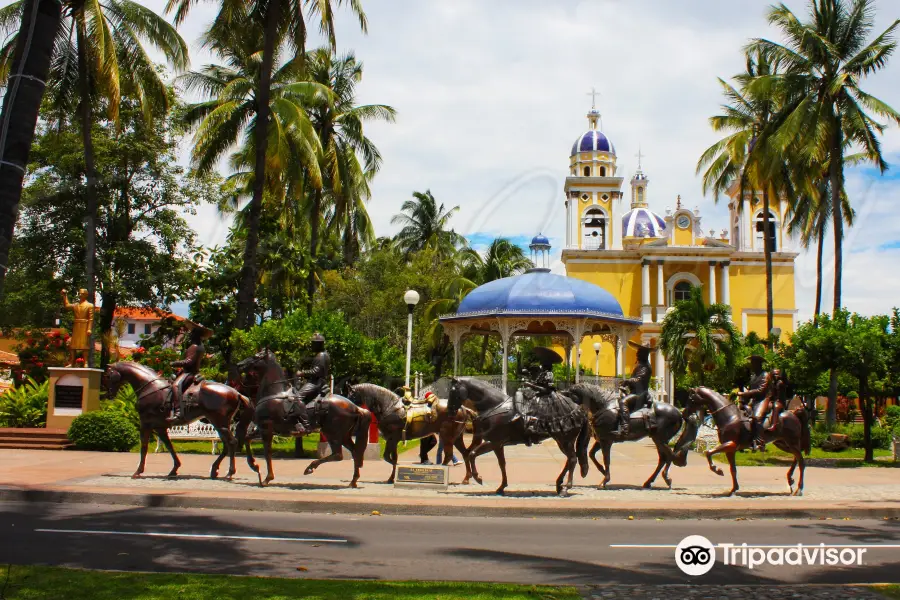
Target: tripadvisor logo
x,y
696,555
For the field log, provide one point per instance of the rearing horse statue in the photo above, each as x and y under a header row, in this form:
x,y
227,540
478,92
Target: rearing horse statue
x,y
216,402
791,435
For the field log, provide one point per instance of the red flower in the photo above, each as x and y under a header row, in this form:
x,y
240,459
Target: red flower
x,y
40,364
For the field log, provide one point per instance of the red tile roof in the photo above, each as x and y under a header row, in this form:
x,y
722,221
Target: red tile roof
x,y
144,314
8,358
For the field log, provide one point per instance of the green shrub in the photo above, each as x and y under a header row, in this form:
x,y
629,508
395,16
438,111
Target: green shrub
x,y
892,419
125,404
106,431
25,405
881,437
817,437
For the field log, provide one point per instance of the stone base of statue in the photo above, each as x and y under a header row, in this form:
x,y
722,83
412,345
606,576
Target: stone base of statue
x,y
72,391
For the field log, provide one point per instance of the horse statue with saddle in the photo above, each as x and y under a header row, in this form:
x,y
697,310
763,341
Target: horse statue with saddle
x,y
279,408
632,415
162,403
402,418
529,418
788,430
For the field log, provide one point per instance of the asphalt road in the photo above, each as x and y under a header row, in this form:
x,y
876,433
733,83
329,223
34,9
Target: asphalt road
x,y
551,551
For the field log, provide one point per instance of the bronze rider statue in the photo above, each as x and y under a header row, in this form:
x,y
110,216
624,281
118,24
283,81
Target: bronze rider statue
x,y
636,390
190,367
757,391
318,379
777,400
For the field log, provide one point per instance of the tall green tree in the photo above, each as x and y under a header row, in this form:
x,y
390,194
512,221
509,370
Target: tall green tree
x,y
426,224
282,21
30,54
745,158
694,335
99,54
339,126
824,60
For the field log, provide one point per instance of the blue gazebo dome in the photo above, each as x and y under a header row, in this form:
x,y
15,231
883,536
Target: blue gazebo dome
x,y
538,292
593,141
540,240
643,222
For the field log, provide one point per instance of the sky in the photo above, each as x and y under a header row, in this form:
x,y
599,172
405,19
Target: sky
x,y
490,97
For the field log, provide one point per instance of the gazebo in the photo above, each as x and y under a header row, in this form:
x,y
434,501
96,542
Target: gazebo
x,y
538,303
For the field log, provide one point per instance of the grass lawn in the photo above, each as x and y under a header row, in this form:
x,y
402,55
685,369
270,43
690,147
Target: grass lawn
x,y
888,591
818,457
282,447
53,583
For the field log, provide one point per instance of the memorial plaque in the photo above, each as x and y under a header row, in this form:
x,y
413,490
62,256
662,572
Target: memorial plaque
x,y
422,476
68,396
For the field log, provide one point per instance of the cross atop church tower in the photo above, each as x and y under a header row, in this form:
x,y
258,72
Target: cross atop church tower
x,y
593,94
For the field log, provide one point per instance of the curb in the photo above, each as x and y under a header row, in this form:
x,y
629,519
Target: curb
x,y
446,510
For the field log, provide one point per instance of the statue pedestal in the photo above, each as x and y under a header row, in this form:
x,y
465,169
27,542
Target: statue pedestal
x,y
72,392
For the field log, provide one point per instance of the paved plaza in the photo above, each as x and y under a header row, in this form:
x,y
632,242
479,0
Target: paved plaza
x,y
833,492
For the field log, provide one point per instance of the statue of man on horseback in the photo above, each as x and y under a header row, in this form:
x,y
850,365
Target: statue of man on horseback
x,y
190,367
636,390
318,379
758,389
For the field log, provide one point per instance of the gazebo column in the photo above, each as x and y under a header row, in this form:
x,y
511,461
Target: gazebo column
x,y
504,328
455,333
578,336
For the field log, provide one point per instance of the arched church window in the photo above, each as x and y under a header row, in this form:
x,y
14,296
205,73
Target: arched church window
x,y
594,230
602,171
587,171
760,229
681,291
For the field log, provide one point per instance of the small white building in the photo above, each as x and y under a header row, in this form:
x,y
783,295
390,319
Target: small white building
x,y
137,323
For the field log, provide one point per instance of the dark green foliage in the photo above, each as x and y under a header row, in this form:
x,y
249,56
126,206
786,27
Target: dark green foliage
x,y
25,405
892,419
107,431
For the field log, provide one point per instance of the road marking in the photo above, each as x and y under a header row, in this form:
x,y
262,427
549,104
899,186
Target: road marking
x,y
199,536
813,545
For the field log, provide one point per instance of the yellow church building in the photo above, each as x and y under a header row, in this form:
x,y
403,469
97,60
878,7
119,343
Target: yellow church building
x,y
648,261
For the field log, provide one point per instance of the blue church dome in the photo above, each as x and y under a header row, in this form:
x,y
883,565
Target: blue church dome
x,y
593,141
642,222
538,292
540,240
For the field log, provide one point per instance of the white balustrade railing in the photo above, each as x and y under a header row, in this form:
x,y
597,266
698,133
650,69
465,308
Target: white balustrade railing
x,y
193,431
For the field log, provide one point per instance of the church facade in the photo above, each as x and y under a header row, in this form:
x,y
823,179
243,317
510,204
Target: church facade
x,y
648,261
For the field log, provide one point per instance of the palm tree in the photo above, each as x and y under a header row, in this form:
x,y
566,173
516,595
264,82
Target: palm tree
x,y
823,61
745,157
339,126
425,224
452,291
282,21
694,334
21,105
98,53
226,122
502,259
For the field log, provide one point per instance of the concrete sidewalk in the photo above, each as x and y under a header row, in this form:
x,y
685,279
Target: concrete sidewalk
x,y
71,476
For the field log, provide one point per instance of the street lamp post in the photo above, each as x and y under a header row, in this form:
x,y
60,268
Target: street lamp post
x,y
411,297
597,363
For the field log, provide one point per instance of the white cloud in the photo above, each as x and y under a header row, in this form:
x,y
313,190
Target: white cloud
x,y
491,95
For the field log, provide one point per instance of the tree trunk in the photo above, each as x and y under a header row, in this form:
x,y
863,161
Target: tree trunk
x,y
831,408
767,248
484,345
314,219
820,248
21,104
90,171
107,311
836,167
250,269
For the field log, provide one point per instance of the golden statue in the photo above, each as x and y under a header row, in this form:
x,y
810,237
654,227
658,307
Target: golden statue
x,y
80,344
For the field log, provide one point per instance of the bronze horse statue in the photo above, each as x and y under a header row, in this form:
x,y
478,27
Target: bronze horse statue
x,y
500,422
218,403
342,422
391,414
792,434
663,422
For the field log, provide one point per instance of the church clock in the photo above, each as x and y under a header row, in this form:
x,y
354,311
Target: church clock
x,y
683,222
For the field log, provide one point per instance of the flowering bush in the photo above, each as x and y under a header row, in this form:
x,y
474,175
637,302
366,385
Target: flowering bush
x,y
39,350
25,405
157,358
